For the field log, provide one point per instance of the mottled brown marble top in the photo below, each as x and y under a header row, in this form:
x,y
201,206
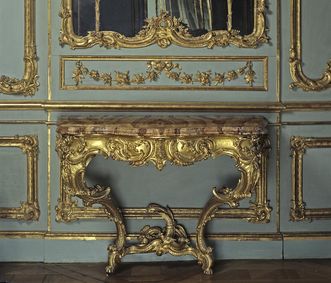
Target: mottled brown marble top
x,y
164,126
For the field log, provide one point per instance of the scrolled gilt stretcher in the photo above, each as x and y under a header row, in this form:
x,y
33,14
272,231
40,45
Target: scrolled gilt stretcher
x,y
180,140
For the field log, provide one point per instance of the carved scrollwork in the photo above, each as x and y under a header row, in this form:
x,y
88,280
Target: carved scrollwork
x,y
28,85
300,80
250,154
163,30
171,239
29,209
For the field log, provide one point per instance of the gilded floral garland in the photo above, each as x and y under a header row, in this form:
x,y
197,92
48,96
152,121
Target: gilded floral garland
x,y
170,69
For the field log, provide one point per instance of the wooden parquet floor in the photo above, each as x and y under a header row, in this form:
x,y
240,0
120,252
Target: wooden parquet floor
x,y
236,271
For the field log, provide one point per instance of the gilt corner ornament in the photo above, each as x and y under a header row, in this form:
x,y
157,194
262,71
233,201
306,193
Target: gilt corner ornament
x,y
163,30
29,209
28,85
300,80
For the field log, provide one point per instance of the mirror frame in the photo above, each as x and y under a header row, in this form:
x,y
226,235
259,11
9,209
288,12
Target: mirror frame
x,y
163,30
28,85
300,80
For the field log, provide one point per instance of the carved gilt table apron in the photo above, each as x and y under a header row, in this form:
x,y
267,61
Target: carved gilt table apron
x,y
180,140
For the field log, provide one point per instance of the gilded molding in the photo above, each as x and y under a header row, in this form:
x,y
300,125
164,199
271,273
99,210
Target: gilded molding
x,y
28,85
299,210
163,30
300,80
152,106
29,209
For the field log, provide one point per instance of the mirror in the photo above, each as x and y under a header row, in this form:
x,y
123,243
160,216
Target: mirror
x,y
139,23
127,17
202,16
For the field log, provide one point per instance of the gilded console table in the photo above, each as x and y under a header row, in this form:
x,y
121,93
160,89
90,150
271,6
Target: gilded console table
x,y
180,140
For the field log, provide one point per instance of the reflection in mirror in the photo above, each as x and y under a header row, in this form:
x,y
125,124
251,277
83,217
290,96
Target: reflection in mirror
x,y
127,17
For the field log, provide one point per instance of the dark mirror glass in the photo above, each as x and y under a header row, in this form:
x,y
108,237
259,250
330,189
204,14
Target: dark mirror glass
x,y
123,16
83,12
202,16
128,16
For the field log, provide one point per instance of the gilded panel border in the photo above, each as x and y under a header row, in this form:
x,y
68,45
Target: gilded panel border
x,y
300,80
163,30
28,85
299,211
168,67
29,209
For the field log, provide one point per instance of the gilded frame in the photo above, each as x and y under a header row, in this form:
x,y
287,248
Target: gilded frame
x,y
300,80
28,85
163,30
29,209
299,211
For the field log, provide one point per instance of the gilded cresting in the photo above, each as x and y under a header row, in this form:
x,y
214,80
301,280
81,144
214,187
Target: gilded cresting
x,y
181,141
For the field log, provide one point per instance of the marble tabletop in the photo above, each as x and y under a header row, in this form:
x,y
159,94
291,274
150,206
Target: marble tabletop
x,y
163,126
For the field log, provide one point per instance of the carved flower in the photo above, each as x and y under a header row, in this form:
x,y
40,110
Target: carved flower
x,y
107,78
122,78
186,79
231,75
138,79
219,78
152,76
204,78
79,73
249,77
173,76
250,74
156,65
94,74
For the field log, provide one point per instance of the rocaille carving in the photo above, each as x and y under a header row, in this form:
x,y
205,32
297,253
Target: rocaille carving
x,y
163,30
28,85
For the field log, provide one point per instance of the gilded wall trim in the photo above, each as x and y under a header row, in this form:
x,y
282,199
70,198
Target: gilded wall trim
x,y
163,30
29,209
28,85
170,70
90,236
299,210
300,80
